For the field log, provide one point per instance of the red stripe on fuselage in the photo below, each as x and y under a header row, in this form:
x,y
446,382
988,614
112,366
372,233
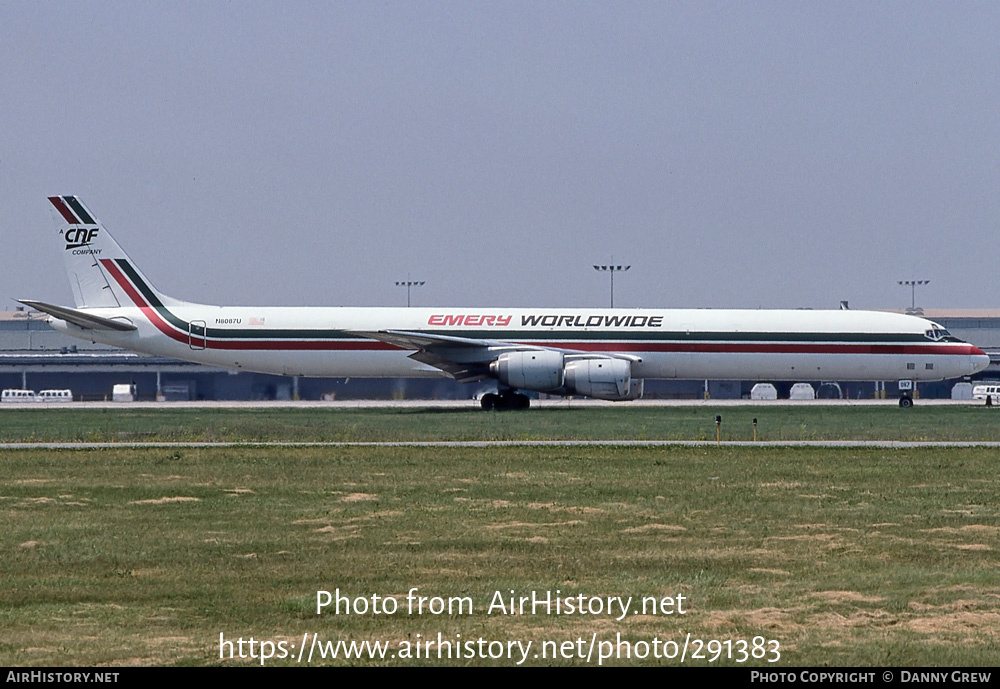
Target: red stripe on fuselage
x,y
762,348
302,345
184,337
148,311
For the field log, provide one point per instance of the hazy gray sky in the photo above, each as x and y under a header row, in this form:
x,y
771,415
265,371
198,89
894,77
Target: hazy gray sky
x,y
737,154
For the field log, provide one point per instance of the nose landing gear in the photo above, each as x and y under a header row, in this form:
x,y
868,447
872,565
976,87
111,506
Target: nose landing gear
x,y
906,390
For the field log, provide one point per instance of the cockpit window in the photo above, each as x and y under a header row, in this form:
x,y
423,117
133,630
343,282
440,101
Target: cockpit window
x,y
937,334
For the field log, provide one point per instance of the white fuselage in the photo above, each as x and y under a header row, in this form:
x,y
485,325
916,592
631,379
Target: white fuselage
x,y
666,343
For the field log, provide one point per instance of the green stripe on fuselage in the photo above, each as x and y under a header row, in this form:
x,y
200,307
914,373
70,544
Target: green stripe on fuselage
x,y
647,335
226,333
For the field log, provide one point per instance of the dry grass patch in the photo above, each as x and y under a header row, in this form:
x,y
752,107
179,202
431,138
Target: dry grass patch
x,y
662,528
165,501
846,596
359,497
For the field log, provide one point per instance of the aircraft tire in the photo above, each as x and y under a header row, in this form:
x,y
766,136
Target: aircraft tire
x,y
507,401
905,402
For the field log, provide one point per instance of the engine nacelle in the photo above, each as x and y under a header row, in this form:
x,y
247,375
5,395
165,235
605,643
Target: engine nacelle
x,y
603,379
540,371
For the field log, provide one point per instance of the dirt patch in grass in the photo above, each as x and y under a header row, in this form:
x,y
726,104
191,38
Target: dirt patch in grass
x,y
522,525
981,623
340,533
359,497
846,596
654,527
858,619
954,605
165,501
571,509
965,530
831,540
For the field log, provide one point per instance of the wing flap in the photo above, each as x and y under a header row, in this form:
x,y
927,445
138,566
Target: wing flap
x,y
462,372
405,339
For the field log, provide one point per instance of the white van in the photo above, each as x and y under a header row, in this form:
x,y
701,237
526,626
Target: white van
x,y
123,392
979,392
19,396
55,396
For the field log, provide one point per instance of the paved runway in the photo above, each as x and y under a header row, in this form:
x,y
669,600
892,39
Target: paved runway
x,y
556,403
890,444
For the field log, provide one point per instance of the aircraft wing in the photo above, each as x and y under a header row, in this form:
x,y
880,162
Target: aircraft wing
x,y
463,358
416,340
466,359
82,319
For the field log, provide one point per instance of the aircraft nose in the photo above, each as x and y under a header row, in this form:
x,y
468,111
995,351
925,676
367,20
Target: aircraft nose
x,y
980,359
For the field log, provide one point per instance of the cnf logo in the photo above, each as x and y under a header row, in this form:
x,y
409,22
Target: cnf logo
x,y
80,236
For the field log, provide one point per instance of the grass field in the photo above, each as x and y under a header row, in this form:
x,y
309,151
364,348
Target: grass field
x,y
870,557
787,422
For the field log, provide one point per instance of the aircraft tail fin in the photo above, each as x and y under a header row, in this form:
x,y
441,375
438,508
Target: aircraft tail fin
x,y
100,272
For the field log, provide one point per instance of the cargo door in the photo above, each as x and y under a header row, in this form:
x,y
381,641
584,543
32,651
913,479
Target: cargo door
x,y
197,331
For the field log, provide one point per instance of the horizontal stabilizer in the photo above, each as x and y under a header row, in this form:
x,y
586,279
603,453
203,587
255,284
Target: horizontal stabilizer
x,y
82,319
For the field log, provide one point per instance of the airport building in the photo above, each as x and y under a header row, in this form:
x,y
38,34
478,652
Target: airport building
x,y
33,356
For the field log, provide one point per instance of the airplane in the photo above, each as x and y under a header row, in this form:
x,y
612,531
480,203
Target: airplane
x,y
599,353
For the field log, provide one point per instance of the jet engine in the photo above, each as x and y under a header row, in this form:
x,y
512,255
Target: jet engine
x,y
541,371
602,378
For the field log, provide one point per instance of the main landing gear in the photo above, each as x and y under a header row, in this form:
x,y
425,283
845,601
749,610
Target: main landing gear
x,y
504,401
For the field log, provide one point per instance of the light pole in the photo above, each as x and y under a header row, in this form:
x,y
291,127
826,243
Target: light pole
x,y
408,284
612,269
912,284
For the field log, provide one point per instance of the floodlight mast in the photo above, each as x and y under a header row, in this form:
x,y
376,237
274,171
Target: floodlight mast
x,y
612,269
408,284
912,284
